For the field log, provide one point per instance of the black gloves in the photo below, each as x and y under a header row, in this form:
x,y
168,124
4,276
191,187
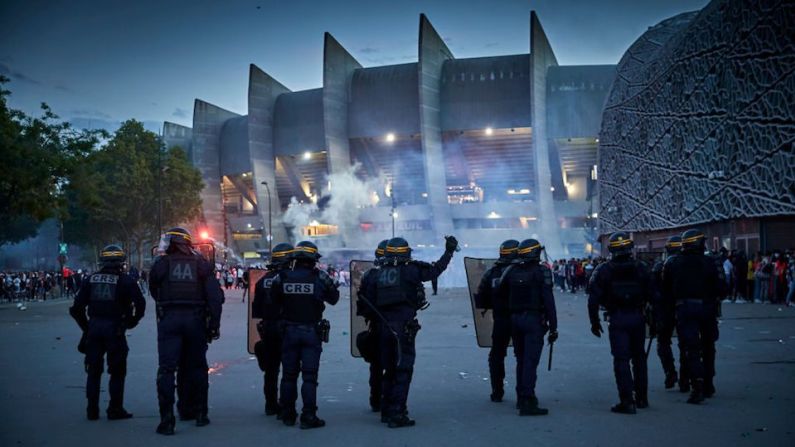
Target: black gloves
x,y
451,244
552,337
129,324
596,329
81,346
328,282
213,334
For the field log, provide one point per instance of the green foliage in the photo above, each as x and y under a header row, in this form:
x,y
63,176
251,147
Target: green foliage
x,y
114,195
37,155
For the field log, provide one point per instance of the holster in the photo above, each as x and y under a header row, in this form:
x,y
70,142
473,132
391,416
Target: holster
x,y
411,329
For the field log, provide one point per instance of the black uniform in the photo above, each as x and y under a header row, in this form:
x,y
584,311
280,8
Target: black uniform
x,y
398,293
370,342
692,288
488,298
189,302
527,288
621,286
269,349
300,294
115,304
664,321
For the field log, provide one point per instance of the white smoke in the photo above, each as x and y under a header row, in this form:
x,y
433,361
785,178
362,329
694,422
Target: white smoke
x,y
345,194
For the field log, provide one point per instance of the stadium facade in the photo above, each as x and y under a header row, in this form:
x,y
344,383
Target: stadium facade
x,y
487,148
698,130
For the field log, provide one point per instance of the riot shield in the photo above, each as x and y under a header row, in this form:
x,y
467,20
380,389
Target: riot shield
x,y
484,321
357,269
254,276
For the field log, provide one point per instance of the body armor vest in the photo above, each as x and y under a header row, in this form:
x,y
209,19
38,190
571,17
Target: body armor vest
x,y
500,306
182,285
392,287
525,285
102,300
269,309
625,289
301,301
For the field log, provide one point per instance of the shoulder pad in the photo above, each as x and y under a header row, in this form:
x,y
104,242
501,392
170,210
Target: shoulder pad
x,y
419,263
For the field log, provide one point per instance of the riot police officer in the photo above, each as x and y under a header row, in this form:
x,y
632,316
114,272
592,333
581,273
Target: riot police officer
x,y
526,286
621,286
693,285
268,349
367,342
114,303
487,298
663,321
301,293
398,293
189,302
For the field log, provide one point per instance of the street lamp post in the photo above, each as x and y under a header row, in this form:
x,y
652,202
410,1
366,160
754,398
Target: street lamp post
x,y
270,220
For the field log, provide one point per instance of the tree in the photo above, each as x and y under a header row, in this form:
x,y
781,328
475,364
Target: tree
x,y
37,156
114,195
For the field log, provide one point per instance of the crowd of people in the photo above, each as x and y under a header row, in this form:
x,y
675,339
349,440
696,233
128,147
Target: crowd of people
x,y
39,285
765,278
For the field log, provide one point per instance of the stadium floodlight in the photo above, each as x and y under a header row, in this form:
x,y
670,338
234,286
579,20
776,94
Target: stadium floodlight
x,y
390,137
489,131
307,155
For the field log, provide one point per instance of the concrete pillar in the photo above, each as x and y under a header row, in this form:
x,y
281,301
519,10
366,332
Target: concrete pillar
x,y
178,135
338,68
432,54
542,57
208,121
262,93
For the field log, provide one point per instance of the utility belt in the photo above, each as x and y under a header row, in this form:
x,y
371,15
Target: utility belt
x,y
198,310
411,328
322,327
527,311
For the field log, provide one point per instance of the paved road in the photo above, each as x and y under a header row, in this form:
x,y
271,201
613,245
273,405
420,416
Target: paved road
x,y
42,387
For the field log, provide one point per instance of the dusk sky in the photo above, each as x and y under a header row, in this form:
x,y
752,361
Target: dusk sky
x,y
99,62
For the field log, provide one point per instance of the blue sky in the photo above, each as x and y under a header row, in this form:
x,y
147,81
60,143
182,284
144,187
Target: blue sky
x,y
99,62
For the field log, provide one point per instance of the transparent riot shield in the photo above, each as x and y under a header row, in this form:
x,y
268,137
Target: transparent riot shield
x,y
357,269
484,321
254,276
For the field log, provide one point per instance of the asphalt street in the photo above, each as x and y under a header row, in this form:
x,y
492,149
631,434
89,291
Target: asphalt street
x,y
42,387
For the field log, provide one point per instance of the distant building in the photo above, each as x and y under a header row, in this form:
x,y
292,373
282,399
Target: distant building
x,y
486,148
698,130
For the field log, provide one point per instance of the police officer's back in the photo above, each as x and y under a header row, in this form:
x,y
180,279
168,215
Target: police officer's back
x,y
301,293
621,286
268,349
114,303
398,293
487,297
367,341
527,286
662,312
189,301
693,285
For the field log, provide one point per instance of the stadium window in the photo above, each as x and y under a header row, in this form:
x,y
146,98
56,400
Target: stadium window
x,y
492,76
482,77
501,74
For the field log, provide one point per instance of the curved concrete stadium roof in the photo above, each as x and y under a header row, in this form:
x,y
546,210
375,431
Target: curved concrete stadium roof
x,y
576,97
298,122
486,92
383,100
234,146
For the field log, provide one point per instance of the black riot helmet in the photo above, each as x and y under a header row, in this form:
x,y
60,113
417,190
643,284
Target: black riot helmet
x,y
178,239
530,250
398,249
620,244
112,256
693,241
281,254
380,252
305,250
509,250
673,245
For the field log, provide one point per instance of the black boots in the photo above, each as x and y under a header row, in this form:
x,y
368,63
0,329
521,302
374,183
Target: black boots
x,y
401,420
497,394
167,422
119,413
624,407
697,395
202,419
92,412
709,389
272,409
670,379
288,416
310,420
375,404
528,406
641,402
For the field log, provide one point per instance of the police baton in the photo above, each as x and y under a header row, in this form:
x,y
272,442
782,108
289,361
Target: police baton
x,y
386,325
549,363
